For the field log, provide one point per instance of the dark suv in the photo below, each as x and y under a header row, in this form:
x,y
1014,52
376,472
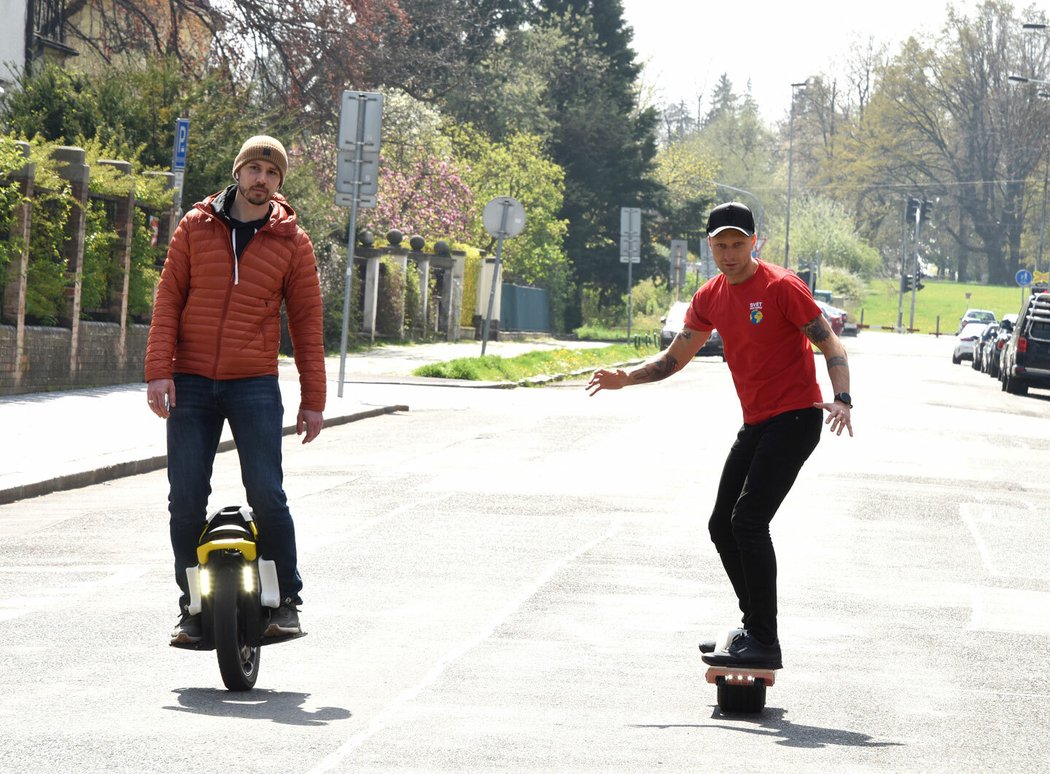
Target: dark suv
x,y
1026,354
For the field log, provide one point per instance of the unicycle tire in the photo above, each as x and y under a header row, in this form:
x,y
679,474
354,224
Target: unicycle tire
x,y
743,699
238,658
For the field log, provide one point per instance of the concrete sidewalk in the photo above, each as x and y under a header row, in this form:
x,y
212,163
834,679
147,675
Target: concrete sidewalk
x,y
64,440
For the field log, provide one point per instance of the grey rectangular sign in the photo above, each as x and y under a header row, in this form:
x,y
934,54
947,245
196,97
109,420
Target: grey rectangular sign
x,y
369,175
353,102
347,200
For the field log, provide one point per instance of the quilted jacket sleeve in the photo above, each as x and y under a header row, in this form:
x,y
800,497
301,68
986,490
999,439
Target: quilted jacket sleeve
x,y
302,297
167,310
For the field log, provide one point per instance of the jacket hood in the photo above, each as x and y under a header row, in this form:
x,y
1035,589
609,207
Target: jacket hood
x,y
283,219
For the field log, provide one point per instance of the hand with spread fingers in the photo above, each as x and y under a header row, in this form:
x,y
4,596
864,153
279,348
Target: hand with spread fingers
x,y
838,417
604,379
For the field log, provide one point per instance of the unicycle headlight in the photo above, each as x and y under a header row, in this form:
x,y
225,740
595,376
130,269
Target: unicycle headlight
x,y
205,580
248,578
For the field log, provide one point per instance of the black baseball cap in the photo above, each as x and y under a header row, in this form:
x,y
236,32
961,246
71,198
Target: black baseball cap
x,y
731,215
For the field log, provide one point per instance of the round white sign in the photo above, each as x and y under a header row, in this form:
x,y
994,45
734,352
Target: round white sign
x,y
504,216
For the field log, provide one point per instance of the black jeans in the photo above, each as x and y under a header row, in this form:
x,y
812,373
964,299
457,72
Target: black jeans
x,y
761,467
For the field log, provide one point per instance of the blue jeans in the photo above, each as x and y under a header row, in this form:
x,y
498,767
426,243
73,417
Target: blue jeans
x,y
759,471
256,416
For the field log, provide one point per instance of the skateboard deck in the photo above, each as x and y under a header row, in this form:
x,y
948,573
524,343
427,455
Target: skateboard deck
x,y
743,676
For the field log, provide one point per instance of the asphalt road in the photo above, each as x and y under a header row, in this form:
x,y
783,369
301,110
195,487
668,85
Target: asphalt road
x,y
516,580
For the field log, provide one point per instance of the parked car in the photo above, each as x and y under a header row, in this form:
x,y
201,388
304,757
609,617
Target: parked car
x,y
1026,355
673,322
975,315
984,343
964,341
995,352
835,316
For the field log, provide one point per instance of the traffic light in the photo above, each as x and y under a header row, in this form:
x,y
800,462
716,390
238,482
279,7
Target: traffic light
x,y
913,209
906,283
806,276
926,209
918,279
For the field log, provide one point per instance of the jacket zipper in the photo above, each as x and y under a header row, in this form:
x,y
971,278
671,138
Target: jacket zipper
x,y
229,294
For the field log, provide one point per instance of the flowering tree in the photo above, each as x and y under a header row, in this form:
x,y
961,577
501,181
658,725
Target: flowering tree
x,y
426,197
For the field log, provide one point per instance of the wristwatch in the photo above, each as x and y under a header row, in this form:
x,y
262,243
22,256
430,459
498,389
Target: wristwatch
x,y
843,397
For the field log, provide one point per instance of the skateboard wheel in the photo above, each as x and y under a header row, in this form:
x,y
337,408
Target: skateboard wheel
x,y
749,697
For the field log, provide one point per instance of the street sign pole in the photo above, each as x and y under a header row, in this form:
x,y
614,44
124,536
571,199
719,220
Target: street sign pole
x,y
348,283
915,270
503,217
495,274
630,249
1023,278
178,162
359,126
678,257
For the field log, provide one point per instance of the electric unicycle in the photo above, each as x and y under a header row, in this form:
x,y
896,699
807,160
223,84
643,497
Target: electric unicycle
x,y
233,590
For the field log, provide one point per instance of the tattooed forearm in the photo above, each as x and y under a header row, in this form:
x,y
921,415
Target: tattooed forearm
x,y
817,329
658,369
838,361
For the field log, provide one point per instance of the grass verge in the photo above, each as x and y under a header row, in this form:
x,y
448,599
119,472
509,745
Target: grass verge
x,y
493,368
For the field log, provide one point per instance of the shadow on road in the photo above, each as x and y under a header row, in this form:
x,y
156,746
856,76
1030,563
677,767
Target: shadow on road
x,y
283,707
774,725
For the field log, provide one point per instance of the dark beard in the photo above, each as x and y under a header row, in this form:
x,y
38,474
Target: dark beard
x,y
253,196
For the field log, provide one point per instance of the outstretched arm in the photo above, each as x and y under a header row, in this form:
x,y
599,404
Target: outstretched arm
x,y
819,332
686,344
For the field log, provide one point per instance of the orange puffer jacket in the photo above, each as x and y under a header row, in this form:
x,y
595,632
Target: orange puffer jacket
x,y
208,323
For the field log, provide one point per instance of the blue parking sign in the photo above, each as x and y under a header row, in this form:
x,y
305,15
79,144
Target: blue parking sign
x,y
1023,277
182,137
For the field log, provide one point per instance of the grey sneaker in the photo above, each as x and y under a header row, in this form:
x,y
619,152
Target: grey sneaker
x,y
284,620
188,630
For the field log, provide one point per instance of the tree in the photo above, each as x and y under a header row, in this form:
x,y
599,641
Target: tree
x,y
944,121
823,231
519,167
602,140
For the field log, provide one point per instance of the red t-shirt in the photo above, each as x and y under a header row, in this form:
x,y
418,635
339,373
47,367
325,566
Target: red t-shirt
x,y
760,322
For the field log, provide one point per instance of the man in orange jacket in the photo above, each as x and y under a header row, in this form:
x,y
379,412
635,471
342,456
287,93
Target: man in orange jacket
x,y
212,357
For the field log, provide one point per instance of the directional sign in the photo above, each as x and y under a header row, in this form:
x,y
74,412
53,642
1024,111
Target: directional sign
x,y
182,138
630,235
1023,277
370,124
347,200
368,177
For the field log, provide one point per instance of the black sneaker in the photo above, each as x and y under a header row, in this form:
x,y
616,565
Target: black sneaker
x,y
284,620
188,630
745,650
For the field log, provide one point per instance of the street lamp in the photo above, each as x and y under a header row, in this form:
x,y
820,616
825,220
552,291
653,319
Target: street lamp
x,y
791,143
759,211
1046,172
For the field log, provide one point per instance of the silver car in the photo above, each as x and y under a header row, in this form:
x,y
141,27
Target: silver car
x,y
965,339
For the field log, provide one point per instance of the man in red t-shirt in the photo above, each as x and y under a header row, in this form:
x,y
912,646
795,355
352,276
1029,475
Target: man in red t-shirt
x,y
768,321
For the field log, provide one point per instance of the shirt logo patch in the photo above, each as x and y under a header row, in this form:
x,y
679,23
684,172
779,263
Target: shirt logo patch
x,y
756,312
